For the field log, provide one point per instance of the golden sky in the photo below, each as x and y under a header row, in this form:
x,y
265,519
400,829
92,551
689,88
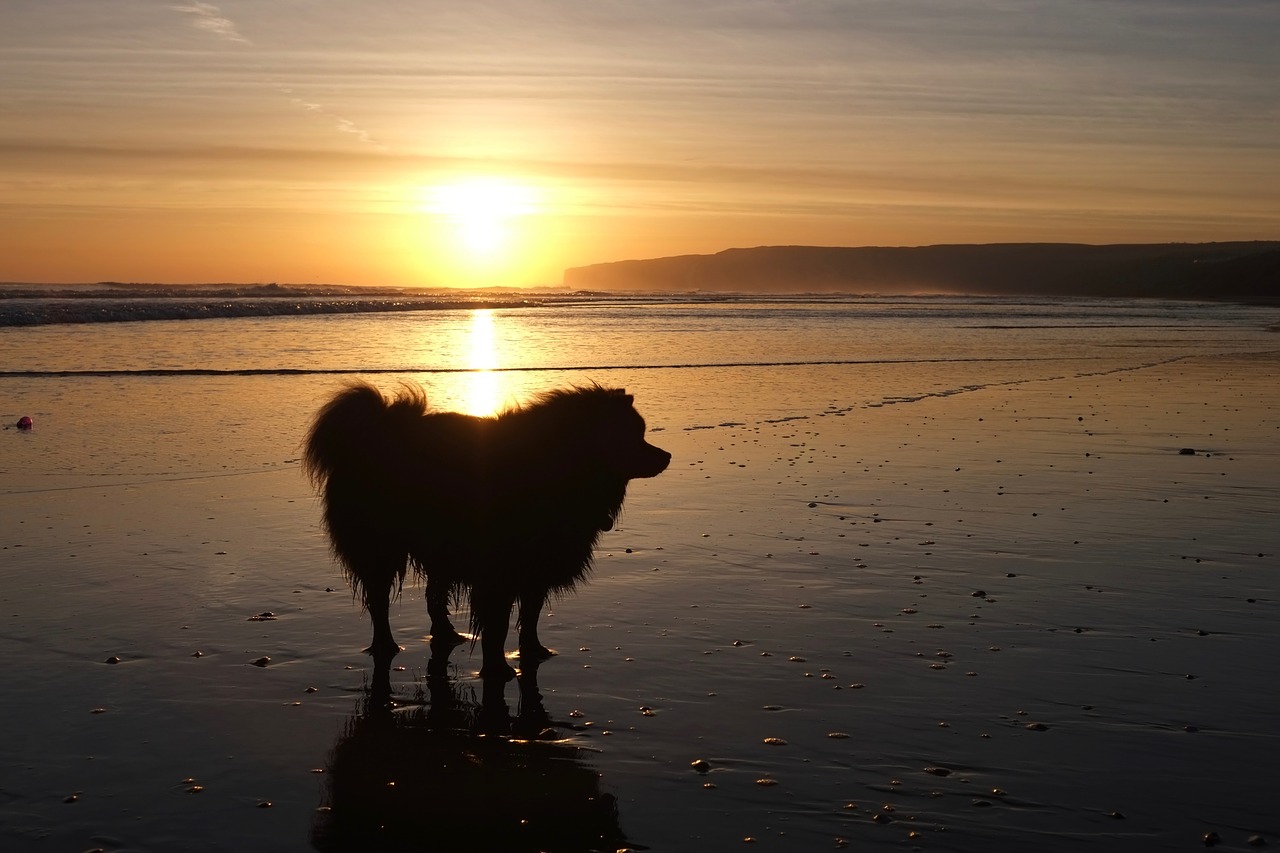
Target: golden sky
x,y
415,142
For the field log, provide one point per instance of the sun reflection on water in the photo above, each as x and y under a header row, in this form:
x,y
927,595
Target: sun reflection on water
x,y
484,392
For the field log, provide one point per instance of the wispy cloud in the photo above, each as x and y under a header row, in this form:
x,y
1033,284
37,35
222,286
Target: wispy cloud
x,y
344,125
209,18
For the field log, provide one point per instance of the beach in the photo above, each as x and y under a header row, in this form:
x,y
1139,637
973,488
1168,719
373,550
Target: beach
x,y
1031,613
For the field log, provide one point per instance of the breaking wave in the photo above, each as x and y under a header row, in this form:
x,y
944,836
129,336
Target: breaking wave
x,y
106,303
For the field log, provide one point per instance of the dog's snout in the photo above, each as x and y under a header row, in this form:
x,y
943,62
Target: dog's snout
x,y
659,459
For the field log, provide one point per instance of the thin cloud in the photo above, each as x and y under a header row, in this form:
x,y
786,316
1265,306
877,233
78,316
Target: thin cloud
x,y
343,125
208,17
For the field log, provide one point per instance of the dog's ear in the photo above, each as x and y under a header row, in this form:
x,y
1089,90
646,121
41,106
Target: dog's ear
x,y
629,399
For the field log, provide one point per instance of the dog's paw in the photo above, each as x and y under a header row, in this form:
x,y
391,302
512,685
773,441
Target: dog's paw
x,y
448,638
535,652
498,672
383,650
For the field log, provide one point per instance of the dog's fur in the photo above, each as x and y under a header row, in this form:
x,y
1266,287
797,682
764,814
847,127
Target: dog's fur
x,y
503,509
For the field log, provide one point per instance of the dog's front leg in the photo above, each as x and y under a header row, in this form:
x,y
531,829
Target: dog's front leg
x,y
492,614
531,648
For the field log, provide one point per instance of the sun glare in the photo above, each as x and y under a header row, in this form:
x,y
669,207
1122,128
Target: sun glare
x,y
482,214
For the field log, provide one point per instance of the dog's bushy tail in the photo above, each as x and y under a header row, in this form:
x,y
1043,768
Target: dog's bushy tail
x,y
350,433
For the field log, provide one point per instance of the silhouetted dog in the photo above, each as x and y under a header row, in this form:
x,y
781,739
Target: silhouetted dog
x,y
506,509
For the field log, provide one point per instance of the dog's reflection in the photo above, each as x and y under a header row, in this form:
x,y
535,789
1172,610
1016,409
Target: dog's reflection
x,y
447,772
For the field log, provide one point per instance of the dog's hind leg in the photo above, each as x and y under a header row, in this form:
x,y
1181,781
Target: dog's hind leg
x,y
491,613
531,648
376,578
442,630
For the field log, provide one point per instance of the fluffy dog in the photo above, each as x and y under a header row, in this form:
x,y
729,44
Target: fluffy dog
x,y
503,509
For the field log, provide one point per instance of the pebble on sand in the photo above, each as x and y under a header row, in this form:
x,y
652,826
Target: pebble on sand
x,y
262,661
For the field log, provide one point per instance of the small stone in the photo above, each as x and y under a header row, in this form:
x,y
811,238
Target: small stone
x,y
775,741
114,659
1037,727
262,661
700,765
1210,839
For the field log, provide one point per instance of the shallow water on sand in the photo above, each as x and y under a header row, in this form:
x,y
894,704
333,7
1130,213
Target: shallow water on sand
x,y
952,606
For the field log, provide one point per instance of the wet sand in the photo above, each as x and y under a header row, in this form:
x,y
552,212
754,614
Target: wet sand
x,y
1014,618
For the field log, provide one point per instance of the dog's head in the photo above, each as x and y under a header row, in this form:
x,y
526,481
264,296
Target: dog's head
x,y
608,432
623,446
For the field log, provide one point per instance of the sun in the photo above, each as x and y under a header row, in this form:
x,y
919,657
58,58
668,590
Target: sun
x,y
482,214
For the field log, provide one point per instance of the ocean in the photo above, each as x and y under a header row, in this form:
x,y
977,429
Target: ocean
x,y
235,387
942,573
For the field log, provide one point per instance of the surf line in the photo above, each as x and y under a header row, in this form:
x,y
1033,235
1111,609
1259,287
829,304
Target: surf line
x,y
595,368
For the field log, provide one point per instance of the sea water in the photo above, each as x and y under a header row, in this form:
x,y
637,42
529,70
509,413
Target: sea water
x,y
177,397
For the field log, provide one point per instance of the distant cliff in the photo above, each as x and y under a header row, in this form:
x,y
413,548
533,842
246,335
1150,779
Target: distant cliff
x,y
1242,271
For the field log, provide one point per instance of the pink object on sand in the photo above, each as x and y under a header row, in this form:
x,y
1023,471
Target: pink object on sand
x,y
24,422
